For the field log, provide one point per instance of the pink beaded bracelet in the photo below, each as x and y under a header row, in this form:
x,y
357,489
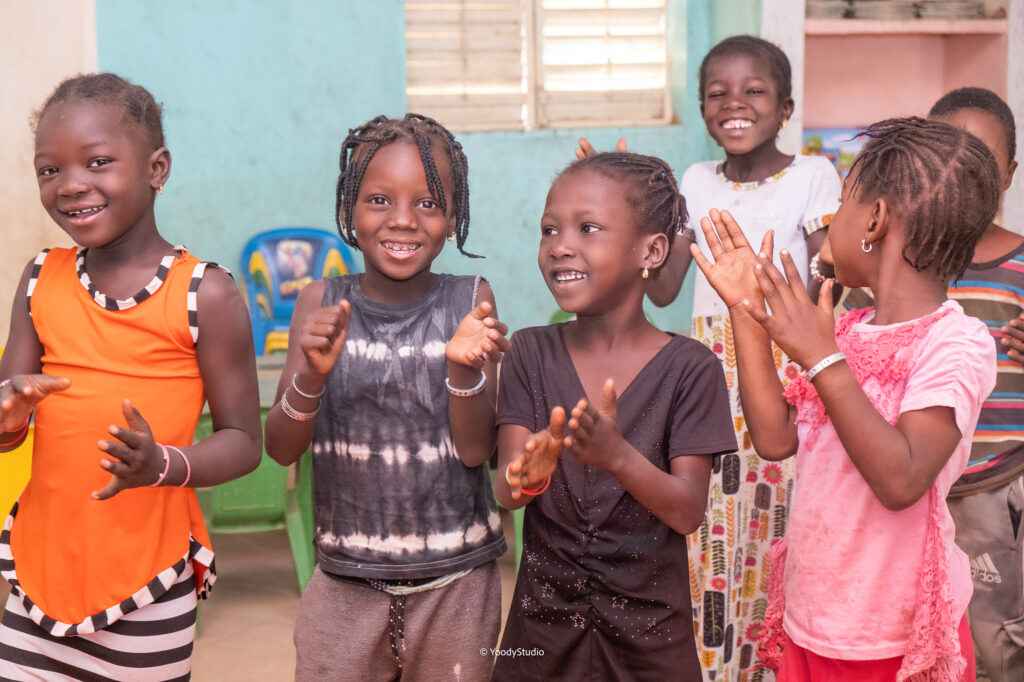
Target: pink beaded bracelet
x,y
188,467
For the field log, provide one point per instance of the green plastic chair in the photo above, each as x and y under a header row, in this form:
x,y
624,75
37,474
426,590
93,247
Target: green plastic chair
x,y
260,501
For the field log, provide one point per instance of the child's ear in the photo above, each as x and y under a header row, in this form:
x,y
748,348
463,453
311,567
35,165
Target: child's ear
x,y
450,233
159,167
656,251
878,227
786,108
1008,178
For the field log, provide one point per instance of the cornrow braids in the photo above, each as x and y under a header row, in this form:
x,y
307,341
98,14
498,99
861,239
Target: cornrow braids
x,y
941,180
652,188
985,100
758,48
139,106
362,144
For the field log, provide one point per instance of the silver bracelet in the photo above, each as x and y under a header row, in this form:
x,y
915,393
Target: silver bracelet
x,y
466,392
824,363
303,393
814,270
292,413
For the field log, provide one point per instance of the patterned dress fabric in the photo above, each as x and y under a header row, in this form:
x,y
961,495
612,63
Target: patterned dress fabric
x,y
748,505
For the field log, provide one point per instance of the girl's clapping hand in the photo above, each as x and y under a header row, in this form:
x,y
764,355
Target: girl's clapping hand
x,y
323,336
539,455
19,396
732,272
805,331
596,437
138,460
479,338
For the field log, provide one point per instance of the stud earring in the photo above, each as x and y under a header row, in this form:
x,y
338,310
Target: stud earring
x,y
866,246
646,273
451,237
160,189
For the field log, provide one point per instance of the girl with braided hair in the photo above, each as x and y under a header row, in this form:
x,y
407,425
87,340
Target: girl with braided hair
x,y
745,86
612,481
867,583
391,375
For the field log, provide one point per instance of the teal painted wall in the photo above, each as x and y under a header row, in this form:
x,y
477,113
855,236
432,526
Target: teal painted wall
x,y
256,105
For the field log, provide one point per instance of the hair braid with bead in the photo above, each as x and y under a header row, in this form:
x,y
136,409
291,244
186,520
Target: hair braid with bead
x,y
941,180
428,136
650,188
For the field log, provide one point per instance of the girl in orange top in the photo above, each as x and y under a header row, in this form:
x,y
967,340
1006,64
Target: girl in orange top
x,y
115,345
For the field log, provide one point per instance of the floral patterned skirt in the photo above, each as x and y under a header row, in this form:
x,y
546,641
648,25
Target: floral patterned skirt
x,y
748,507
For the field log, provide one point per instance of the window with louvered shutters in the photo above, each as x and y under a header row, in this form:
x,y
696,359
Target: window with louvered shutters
x,y
514,65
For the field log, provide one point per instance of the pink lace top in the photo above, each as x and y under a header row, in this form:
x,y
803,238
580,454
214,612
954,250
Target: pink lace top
x,y
861,582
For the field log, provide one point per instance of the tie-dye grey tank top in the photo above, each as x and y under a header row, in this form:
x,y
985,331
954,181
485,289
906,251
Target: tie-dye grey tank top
x,y
392,499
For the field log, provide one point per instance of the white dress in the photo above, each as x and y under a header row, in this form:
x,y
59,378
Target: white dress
x,y
749,498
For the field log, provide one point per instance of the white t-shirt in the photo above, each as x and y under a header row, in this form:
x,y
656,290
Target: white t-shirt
x,y
794,202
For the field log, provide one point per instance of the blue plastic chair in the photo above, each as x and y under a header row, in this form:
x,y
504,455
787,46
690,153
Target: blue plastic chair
x,y
276,264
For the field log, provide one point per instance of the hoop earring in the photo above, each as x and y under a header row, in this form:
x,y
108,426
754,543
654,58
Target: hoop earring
x,y
646,273
866,246
451,237
160,189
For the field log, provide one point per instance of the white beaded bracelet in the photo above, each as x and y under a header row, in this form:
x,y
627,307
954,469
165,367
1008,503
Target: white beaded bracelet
x,y
466,392
824,363
292,413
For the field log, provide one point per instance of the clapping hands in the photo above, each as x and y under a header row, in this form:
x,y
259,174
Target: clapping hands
x,y
19,396
323,336
479,338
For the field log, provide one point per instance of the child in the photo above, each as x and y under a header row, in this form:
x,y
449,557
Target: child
x,y
745,100
407,530
602,592
987,500
872,586
106,552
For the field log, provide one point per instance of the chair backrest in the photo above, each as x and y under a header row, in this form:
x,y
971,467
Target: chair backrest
x,y
276,264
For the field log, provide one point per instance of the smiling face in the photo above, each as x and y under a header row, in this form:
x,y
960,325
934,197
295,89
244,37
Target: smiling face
x,y
96,172
590,253
399,226
741,105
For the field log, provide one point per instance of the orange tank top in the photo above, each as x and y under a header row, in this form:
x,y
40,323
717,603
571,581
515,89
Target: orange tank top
x,y
84,562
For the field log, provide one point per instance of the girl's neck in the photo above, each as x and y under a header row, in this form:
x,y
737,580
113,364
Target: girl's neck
x,y
381,289
143,245
756,165
906,296
608,331
995,243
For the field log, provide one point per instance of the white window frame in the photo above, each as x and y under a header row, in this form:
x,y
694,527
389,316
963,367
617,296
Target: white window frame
x,y
456,50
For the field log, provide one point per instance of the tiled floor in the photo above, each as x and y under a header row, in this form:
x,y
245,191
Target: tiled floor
x,y
245,628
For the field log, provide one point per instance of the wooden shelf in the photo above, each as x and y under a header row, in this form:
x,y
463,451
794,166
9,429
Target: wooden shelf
x,y
844,27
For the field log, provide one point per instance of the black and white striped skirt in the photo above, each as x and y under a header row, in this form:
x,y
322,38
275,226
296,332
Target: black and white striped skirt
x,y
151,643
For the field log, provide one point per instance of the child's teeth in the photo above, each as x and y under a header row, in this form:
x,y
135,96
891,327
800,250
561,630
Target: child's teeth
x,y
569,276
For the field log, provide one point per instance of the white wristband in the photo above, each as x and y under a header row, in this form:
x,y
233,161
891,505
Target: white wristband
x,y
466,392
824,363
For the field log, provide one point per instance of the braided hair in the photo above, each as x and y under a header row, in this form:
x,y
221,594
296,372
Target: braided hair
x,y
985,100
363,142
650,188
759,48
109,89
941,180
